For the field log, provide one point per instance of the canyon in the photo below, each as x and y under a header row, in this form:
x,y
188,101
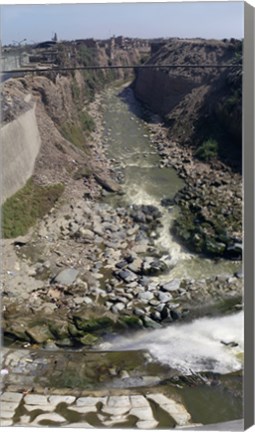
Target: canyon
x,y
132,230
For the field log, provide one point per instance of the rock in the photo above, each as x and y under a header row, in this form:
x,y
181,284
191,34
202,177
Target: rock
x,y
175,315
145,296
126,275
59,328
156,316
235,250
153,268
148,322
64,343
144,281
66,277
174,285
130,322
165,313
164,297
121,264
39,333
124,375
140,248
153,286
154,302
89,339
167,202
136,265
87,300
107,183
214,247
139,312
118,307
83,323
85,234
239,274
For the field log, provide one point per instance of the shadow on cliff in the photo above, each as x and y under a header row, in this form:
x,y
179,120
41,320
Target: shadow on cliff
x,y
136,107
220,118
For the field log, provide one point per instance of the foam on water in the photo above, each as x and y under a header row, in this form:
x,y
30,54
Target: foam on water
x,y
197,346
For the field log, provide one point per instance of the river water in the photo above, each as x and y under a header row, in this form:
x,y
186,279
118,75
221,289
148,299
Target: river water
x,y
201,345
126,137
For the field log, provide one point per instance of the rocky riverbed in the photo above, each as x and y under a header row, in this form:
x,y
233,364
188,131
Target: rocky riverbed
x,y
210,220
90,269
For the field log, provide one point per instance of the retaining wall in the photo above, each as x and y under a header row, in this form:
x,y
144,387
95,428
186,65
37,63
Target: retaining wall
x,y
20,145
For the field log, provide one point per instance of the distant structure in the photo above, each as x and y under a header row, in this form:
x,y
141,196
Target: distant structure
x,y
55,37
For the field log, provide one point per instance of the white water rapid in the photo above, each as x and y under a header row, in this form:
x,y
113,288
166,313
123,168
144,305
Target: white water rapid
x,y
201,345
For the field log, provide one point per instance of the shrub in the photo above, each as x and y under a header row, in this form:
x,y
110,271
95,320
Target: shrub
x,y
207,151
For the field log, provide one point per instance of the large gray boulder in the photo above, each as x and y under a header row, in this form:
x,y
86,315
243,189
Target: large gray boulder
x,y
66,277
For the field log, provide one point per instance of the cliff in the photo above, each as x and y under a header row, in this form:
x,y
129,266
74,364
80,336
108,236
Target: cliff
x,y
197,104
46,126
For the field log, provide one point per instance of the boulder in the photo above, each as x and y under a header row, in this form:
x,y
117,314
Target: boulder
x,y
150,323
126,275
174,285
167,202
39,333
153,268
136,265
66,277
164,297
145,296
107,183
88,339
118,307
88,325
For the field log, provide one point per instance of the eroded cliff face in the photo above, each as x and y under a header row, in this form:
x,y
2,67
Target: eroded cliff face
x,y
197,103
61,122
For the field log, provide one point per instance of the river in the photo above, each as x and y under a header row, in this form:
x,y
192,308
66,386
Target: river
x,y
203,344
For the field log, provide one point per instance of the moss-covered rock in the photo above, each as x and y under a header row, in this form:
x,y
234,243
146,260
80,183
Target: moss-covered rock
x,y
93,324
59,329
89,339
39,333
129,323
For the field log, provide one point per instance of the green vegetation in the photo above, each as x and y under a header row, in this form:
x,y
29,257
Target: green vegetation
x,y
32,202
75,90
73,133
207,151
87,122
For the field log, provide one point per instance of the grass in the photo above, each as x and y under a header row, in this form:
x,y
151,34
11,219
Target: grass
x,y
87,122
30,203
73,133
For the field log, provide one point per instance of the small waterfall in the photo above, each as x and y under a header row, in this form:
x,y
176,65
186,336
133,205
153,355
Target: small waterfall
x,y
205,344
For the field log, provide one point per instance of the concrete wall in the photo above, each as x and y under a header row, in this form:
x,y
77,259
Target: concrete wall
x,y
20,145
13,61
